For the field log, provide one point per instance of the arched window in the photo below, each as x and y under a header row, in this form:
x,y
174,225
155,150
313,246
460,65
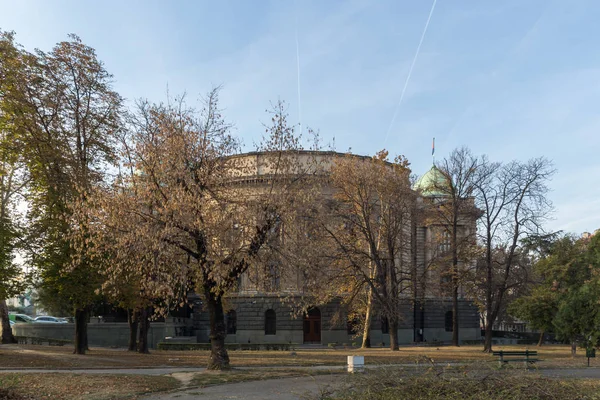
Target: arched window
x,y
231,322
270,322
448,321
385,326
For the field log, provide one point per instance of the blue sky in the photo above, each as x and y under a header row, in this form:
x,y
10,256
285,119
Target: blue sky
x,y
513,79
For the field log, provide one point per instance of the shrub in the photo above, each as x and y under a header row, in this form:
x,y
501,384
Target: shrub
x,y
460,383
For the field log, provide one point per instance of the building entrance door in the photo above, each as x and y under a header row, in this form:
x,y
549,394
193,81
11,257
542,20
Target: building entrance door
x,y
312,326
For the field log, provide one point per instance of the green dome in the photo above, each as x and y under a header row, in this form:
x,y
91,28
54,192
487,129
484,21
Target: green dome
x,y
432,182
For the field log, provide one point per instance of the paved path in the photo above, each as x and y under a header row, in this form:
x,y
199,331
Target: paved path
x,y
298,388
169,370
591,372
571,373
107,371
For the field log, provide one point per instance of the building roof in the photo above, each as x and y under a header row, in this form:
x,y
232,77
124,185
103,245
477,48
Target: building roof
x,y
432,183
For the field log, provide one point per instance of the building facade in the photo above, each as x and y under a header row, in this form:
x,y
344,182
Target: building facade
x,y
259,314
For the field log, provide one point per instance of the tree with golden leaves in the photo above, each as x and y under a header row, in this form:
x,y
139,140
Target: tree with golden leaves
x,y
370,232
193,210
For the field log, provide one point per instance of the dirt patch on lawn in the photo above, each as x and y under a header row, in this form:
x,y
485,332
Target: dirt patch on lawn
x,y
79,386
211,378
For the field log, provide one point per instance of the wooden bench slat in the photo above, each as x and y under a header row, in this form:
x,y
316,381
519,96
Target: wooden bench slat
x,y
514,353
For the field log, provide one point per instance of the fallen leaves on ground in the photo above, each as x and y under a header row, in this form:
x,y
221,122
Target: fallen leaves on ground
x,y
79,386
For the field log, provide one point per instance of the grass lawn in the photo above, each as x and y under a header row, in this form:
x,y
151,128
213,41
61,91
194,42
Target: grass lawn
x,y
472,382
79,386
53,357
15,386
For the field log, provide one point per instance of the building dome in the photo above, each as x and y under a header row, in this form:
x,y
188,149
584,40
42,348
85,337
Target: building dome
x,y
432,183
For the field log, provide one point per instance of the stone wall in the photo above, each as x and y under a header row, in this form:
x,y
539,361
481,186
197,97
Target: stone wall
x,y
115,334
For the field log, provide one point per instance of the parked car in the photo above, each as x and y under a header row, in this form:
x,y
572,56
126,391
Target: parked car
x,y
20,318
53,320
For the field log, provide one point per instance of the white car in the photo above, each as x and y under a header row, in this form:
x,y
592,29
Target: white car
x,y
53,320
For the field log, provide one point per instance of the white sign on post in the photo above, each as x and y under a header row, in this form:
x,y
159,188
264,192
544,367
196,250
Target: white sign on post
x,y
356,363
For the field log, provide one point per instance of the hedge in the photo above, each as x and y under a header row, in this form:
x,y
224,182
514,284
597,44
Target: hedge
x,y
38,340
228,346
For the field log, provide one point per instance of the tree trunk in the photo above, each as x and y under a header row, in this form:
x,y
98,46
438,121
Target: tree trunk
x,y
487,344
541,340
81,344
573,348
455,337
86,343
144,323
393,334
366,340
132,320
7,335
219,359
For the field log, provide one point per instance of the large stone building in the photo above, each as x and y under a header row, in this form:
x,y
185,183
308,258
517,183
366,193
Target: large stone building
x,y
259,314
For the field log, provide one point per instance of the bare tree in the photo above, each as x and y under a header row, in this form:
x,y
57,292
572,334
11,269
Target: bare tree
x,y
453,212
512,198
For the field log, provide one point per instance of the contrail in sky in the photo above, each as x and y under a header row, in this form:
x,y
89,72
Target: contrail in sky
x,y
410,71
298,70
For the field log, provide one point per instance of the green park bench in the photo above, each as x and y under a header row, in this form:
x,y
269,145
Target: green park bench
x,y
527,357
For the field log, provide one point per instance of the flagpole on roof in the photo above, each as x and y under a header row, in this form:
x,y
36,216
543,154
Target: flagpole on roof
x,y
433,151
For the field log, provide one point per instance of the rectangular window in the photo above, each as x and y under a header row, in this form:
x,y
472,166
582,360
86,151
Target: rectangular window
x,y
270,322
385,326
231,322
445,243
448,323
